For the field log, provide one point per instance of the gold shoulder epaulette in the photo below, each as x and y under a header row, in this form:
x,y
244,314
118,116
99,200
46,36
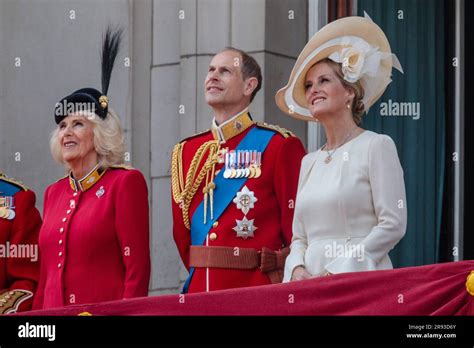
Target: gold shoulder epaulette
x,y
121,166
195,135
177,175
13,182
284,132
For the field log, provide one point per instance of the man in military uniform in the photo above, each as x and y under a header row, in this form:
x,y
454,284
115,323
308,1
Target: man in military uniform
x,y
234,186
20,222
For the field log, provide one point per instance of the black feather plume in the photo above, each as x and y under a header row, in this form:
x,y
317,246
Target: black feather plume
x,y
110,50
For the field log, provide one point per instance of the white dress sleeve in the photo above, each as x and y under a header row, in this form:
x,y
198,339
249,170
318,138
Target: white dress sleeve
x,y
299,241
388,196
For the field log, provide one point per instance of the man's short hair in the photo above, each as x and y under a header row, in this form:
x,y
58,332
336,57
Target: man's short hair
x,y
249,68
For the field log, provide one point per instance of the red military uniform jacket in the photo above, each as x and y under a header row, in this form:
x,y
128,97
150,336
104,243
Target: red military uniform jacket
x,y
272,212
20,222
94,240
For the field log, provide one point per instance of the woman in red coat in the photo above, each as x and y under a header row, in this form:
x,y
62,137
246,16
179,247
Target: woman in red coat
x,y
94,241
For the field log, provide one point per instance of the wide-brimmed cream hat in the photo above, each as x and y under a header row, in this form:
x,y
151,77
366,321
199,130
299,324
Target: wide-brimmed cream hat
x,y
362,48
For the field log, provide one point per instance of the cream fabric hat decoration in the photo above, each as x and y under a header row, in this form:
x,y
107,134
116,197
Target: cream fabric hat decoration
x,y
362,48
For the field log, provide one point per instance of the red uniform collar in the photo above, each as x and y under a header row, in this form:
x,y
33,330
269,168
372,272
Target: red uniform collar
x,y
89,180
232,127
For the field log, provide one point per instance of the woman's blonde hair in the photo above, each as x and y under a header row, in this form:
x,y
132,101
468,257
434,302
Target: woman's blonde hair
x,y
108,139
357,106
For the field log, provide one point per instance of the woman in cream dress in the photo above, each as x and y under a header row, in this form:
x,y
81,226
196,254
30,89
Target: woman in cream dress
x,y
350,207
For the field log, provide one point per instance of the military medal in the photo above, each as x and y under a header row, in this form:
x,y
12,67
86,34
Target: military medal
x,y
11,214
247,164
227,171
7,208
244,164
238,172
252,171
259,165
245,228
252,164
233,163
258,170
222,155
241,165
3,213
245,200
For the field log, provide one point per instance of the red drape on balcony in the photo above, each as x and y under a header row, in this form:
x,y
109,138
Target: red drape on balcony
x,y
439,289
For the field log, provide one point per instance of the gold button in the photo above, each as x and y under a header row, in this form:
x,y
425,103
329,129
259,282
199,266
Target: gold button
x,y
213,236
215,224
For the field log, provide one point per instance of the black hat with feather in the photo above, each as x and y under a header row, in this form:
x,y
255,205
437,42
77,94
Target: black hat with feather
x,y
90,99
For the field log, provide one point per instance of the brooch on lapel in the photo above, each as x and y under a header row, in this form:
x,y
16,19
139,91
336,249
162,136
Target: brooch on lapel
x,y
100,192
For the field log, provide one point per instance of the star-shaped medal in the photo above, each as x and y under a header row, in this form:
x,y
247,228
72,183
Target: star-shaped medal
x,y
245,200
245,228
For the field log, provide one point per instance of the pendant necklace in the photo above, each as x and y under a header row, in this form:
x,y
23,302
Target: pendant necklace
x,y
331,153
